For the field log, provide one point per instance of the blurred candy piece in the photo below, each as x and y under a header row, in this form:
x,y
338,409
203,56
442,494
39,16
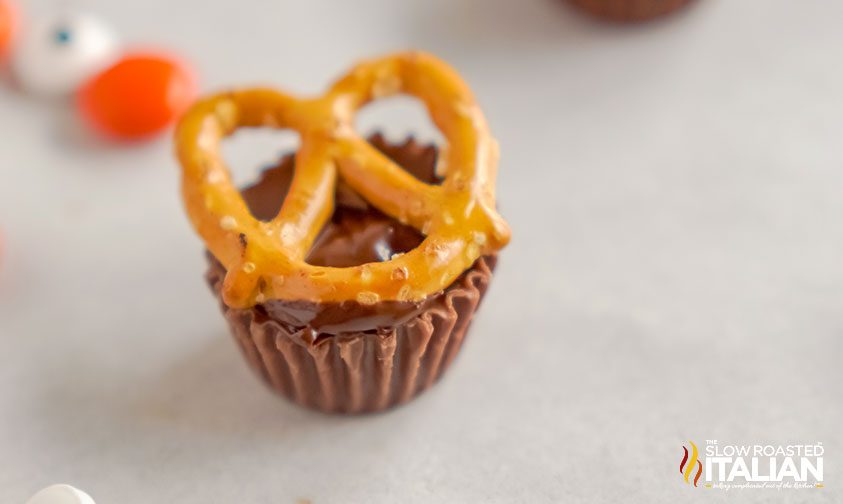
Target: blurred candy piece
x,y
138,96
8,24
630,10
55,55
61,494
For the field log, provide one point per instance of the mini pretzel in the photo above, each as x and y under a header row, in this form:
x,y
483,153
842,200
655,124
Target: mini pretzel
x,y
266,260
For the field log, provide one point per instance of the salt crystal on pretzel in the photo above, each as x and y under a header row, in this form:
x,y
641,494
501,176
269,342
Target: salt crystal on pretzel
x,y
266,260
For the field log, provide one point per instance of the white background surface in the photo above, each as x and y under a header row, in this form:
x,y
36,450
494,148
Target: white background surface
x,y
675,192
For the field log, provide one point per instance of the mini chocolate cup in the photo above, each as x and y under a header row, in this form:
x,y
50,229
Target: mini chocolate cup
x,y
347,357
360,371
629,10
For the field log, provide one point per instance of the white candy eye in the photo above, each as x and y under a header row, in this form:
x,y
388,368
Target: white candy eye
x,y
61,494
56,55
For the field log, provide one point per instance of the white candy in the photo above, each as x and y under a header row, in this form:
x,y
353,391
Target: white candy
x,y
61,494
56,55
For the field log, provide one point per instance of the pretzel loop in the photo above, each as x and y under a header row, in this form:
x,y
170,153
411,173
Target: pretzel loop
x,y
265,260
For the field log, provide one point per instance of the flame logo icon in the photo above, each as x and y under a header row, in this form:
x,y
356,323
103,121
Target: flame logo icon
x,y
686,467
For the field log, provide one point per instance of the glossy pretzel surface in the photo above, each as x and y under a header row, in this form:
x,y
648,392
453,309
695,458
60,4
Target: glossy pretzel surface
x,y
266,260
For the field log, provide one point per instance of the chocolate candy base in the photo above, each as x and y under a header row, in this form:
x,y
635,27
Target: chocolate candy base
x,y
350,358
629,10
358,371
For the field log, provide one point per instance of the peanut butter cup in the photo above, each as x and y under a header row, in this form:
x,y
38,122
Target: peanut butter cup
x,y
349,357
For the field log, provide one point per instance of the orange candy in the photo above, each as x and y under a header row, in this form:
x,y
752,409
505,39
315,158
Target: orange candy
x,y
8,22
138,96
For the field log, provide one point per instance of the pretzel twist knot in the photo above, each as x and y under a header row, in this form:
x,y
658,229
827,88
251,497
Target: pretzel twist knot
x,y
266,260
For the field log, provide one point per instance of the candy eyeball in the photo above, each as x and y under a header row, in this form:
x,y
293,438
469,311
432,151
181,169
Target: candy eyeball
x,y
61,494
55,55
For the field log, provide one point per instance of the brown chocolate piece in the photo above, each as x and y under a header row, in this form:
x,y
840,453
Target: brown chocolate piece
x,y
349,357
630,10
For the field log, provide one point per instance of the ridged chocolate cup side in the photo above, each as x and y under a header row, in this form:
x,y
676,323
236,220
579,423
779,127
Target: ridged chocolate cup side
x,y
630,10
361,371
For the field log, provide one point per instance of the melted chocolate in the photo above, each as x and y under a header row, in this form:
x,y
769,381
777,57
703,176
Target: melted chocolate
x,y
356,234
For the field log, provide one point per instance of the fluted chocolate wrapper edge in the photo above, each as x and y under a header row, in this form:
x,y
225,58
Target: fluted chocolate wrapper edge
x,y
362,371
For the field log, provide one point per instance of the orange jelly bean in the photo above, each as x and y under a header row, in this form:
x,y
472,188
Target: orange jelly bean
x,y
8,22
138,96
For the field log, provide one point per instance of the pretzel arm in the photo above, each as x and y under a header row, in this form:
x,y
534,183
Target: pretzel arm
x,y
385,184
309,203
215,207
